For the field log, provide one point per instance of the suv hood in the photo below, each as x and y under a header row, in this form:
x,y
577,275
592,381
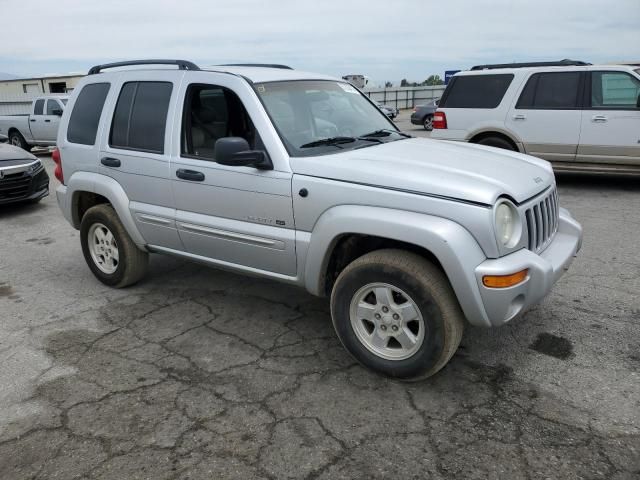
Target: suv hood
x,y
463,171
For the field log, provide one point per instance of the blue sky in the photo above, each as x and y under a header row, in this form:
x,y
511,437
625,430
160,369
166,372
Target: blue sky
x,y
386,40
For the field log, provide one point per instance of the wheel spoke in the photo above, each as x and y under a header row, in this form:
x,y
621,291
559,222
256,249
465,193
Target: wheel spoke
x,y
109,237
378,341
408,311
99,234
384,296
115,254
365,311
406,338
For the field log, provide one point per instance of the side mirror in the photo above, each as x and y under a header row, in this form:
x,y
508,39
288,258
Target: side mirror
x,y
57,111
235,152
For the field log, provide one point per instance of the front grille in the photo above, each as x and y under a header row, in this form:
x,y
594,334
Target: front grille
x,y
15,186
542,221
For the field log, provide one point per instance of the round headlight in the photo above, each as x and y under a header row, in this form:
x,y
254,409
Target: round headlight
x,y
506,226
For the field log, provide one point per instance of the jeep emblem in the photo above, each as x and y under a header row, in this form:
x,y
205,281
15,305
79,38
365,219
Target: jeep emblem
x,y
537,179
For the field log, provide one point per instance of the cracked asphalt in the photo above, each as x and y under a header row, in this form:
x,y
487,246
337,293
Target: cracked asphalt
x,y
200,374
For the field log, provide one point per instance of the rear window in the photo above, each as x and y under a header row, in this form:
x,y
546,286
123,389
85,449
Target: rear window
x,y
140,118
85,117
476,91
553,90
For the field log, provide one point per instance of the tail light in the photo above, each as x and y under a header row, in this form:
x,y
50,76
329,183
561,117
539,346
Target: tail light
x,y
439,120
57,159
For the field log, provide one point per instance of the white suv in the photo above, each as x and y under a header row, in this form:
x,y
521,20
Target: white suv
x,y
578,116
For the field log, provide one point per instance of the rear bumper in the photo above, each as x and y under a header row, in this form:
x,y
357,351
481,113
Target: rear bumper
x,y
64,202
504,304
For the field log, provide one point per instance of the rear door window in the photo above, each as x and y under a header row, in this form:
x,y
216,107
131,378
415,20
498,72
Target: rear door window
x,y
85,117
140,117
551,90
38,108
52,106
614,90
476,91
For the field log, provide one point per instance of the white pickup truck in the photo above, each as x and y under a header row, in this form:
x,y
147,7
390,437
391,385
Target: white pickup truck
x,y
40,127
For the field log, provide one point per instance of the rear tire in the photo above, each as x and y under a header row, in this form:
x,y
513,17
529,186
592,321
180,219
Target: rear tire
x,y
427,123
396,313
496,142
17,140
108,249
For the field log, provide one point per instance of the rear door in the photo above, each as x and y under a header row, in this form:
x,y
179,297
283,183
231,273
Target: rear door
x,y
611,119
135,150
236,216
547,115
36,119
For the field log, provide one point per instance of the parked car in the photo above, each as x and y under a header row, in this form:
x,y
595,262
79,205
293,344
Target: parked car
x,y
423,114
40,127
360,81
22,176
580,117
409,237
388,110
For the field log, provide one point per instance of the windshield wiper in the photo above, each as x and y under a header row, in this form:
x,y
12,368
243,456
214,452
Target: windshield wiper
x,y
385,132
336,141
332,141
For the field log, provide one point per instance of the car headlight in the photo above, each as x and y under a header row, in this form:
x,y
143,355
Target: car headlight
x,y
508,224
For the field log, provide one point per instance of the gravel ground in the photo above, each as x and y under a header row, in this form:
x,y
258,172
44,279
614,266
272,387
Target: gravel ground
x,y
196,373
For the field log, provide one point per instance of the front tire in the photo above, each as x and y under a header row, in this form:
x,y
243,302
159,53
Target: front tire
x,y
396,313
108,250
17,140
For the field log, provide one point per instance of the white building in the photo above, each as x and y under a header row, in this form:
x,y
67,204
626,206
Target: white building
x,y
16,93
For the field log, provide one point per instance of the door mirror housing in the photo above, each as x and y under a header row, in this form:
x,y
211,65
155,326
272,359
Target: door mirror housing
x,y
235,152
57,111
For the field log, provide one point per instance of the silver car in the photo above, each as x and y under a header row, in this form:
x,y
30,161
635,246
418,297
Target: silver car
x,y
300,178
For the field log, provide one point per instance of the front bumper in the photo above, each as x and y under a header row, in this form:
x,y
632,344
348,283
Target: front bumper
x,y
24,187
504,304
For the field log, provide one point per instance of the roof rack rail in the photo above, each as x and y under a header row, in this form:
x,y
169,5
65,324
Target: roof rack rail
x,y
182,65
263,65
559,63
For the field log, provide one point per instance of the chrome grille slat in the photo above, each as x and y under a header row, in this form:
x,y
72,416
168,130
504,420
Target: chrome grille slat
x,y
542,220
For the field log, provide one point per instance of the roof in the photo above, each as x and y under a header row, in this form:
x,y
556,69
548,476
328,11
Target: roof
x,y
266,74
496,71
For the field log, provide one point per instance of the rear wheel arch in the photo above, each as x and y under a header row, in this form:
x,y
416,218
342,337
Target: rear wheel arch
x,y
82,201
485,135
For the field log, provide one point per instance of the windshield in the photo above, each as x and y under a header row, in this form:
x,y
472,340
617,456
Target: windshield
x,y
320,117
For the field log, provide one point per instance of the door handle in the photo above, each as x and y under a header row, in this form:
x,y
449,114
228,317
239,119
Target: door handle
x,y
110,162
191,175
520,116
47,120
32,120
599,118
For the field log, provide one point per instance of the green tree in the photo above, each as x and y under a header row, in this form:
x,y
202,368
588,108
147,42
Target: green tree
x,y
433,80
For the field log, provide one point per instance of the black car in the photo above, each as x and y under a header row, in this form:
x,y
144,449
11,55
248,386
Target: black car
x,y
423,114
22,176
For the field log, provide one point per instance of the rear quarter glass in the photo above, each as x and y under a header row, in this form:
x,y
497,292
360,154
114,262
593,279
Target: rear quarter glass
x,y
476,91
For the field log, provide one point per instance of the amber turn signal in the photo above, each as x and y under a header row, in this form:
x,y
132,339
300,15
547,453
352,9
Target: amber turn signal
x,y
504,281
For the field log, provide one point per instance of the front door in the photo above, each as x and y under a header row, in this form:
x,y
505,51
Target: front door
x,y
51,121
239,217
547,115
611,120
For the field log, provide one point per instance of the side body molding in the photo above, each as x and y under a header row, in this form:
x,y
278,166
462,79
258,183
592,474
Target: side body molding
x,y
450,243
108,188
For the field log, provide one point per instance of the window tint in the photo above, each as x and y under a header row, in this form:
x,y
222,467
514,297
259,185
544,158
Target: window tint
x,y
85,117
554,90
476,91
140,118
39,107
614,90
210,113
51,106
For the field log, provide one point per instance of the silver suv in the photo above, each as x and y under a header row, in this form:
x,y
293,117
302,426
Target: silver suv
x,y
300,178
